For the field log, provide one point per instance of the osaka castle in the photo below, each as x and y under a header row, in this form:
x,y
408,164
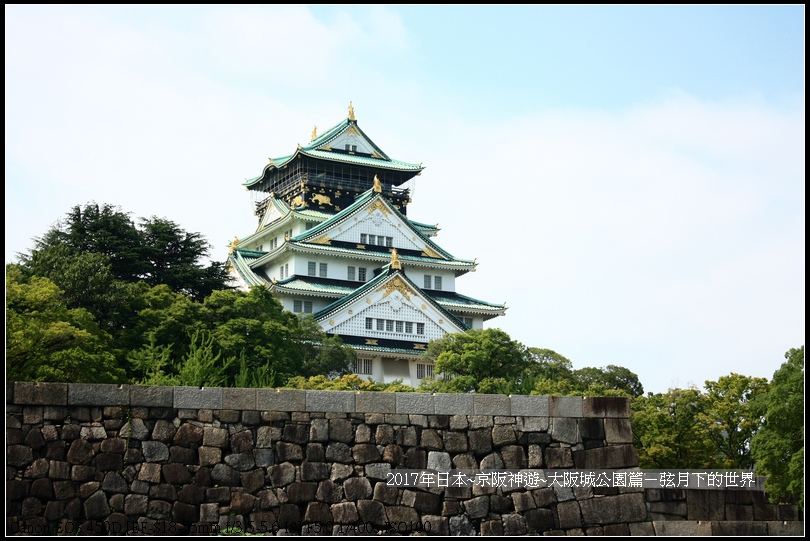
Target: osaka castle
x,y
334,240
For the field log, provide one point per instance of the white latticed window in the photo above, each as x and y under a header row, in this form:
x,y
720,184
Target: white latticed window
x,y
424,371
361,274
307,307
437,282
311,268
297,307
350,273
427,282
322,270
362,366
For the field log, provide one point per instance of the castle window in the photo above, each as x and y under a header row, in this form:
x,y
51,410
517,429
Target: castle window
x,y
424,371
409,327
350,273
307,307
369,323
361,274
399,326
363,238
311,268
437,282
468,321
372,239
362,366
420,328
389,241
389,325
427,282
380,324
297,307
322,270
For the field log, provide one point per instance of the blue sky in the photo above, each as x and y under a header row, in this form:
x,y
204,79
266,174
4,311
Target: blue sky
x,y
630,179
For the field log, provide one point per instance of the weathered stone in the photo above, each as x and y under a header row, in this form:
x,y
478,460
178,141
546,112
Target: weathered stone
x,y
365,453
492,527
372,511
406,436
329,492
176,474
357,488
339,452
605,406
281,475
218,437
302,492
240,461
96,506
569,515
341,430
426,503
460,525
613,457
480,441
344,513
164,431
134,429
113,482
155,451
514,525
416,419
110,462
189,435
36,441
362,434
80,452
38,468
377,471
42,488
330,401
591,428
296,433
503,435
340,471
289,451
159,510
386,494
163,492
565,406
415,459
492,461
223,474
679,528
39,393
615,509
401,515
559,458
242,504
63,490
514,458
375,402
523,501
314,471
317,513
539,520
417,403
477,507
184,455
263,457
454,442
81,473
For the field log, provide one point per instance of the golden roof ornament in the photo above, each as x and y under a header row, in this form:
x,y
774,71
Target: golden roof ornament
x,y
377,185
351,112
234,244
314,132
395,263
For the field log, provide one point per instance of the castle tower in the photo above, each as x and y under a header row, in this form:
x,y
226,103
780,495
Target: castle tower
x,y
334,241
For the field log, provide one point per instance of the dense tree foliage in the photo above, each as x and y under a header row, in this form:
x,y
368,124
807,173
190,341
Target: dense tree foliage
x,y
778,448
47,341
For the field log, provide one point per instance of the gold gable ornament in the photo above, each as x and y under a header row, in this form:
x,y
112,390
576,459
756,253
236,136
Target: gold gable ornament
x,y
314,133
234,244
395,262
351,112
377,185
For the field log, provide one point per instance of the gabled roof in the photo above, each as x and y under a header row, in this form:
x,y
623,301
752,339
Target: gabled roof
x,y
371,199
388,274
321,147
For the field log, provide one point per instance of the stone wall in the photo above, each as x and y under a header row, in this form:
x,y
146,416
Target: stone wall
x,y
180,460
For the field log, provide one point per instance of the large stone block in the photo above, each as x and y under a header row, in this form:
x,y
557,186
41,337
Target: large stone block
x,y
330,401
415,403
606,406
239,399
671,528
613,457
153,397
565,406
618,431
614,509
281,400
453,404
41,394
376,402
198,397
491,404
530,406
97,394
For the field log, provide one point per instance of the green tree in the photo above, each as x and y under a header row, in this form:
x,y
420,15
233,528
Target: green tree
x,y
778,448
729,419
669,430
47,341
476,358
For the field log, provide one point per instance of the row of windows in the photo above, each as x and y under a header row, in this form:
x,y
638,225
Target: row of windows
x,y
312,267
377,240
424,371
362,366
390,325
361,274
433,282
302,306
